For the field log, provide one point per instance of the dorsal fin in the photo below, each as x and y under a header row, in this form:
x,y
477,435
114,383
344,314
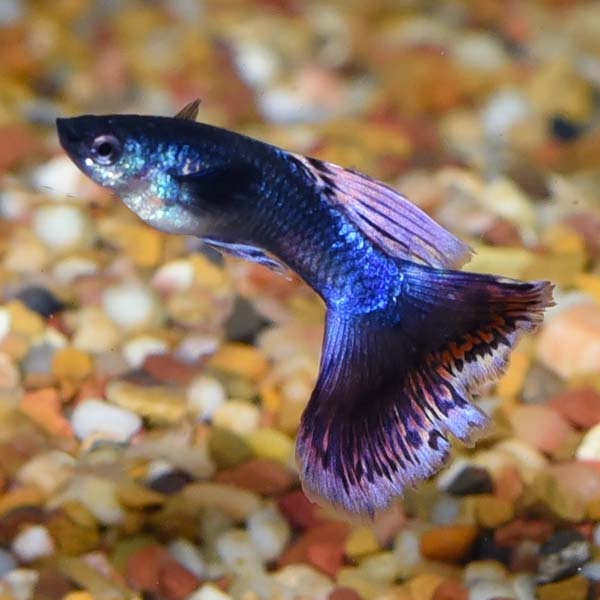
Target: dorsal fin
x,y
386,217
190,111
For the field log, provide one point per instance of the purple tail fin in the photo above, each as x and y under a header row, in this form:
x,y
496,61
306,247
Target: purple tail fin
x,y
392,387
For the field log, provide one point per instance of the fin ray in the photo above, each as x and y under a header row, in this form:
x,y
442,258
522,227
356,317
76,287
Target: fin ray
x,y
390,393
386,217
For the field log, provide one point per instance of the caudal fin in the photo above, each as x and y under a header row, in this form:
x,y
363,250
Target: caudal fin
x,y
393,385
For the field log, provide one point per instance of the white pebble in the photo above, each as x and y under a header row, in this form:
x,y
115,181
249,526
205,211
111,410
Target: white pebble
x,y
13,205
235,548
5,322
96,416
305,582
503,111
137,349
62,227
209,592
21,583
589,449
407,548
189,556
32,544
98,495
176,275
59,177
269,532
238,416
490,590
446,510
591,570
483,570
48,471
596,535
205,395
195,347
381,567
129,305
524,586
11,12
257,64
7,562
479,51
71,268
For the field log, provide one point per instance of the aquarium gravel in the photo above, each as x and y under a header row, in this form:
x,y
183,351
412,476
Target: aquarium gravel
x,y
150,391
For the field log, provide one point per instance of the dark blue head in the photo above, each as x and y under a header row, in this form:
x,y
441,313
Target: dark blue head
x,y
140,159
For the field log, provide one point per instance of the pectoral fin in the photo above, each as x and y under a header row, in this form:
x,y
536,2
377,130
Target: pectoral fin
x,y
251,253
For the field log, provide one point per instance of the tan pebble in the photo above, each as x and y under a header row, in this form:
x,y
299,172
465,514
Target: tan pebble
x,y
80,595
589,448
49,470
573,588
71,363
234,502
590,284
176,275
492,511
23,496
424,586
26,254
44,407
9,373
240,359
508,262
271,443
160,404
397,592
24,320
569,343
136,496
450,543
95,332
541,427
141,243
206,273
355,579
360,542
512,382
237,416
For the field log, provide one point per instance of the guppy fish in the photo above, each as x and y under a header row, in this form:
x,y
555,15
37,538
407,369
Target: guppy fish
x,y
408,337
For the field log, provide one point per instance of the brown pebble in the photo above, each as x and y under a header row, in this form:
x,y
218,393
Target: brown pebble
x,y
19,144
451,590
168,369
51,585
520,529
334,533
503,233
259,475
176,582
344,593
580,406
299,510
18,519
143,568
450,543
326,556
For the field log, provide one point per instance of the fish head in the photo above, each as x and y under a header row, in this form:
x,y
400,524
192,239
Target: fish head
x,y
129,155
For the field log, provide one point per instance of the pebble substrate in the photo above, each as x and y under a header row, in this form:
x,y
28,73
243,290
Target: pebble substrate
x,y
149,396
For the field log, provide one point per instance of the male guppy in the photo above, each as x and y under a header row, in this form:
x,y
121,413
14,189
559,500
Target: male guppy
x,y
407,336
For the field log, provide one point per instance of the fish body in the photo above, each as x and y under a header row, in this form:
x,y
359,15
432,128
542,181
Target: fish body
x,y
408,337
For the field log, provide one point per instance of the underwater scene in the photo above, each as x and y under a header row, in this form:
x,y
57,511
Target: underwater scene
x,y
299,300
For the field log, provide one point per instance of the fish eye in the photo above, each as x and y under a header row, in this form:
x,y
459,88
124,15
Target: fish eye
x,y
106,149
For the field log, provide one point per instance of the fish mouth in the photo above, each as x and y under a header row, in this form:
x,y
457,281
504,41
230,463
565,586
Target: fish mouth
x,y
68,136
